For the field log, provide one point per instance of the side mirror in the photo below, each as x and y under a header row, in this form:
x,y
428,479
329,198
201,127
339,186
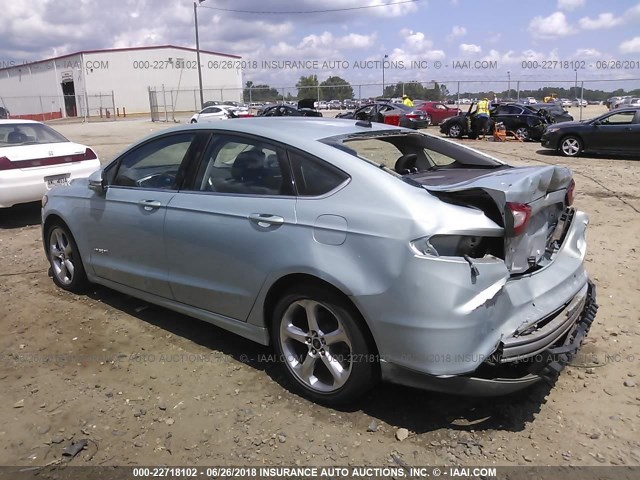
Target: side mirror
x,y
96,182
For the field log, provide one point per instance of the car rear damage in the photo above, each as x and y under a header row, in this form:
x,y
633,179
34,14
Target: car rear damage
x,y
495,297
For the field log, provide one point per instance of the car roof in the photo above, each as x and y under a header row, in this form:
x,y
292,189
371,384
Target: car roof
x,y
291,130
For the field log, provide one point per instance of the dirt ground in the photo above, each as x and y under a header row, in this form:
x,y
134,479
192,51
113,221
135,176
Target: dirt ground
x,y
147,386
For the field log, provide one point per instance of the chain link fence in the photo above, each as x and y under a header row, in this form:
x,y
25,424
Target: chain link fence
x,y
88,107
167,104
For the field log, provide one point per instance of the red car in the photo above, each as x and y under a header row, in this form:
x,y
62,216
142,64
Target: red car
x,y
437,112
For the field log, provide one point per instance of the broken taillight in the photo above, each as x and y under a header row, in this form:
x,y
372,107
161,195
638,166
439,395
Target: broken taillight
x,y
521,214
570,191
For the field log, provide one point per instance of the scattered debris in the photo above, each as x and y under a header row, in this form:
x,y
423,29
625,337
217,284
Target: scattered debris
x,y
402,434
74,448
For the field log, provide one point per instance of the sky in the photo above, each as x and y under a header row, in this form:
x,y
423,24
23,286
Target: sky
x,y
442,40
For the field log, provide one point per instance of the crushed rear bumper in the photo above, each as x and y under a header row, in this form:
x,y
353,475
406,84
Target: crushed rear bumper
x,y
520,359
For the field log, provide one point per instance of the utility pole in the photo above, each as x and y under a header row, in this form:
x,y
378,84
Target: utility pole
x,y
509,85
195,14
383,58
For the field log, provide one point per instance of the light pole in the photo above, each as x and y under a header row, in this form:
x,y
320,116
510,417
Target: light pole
x,y
386,56
509,85
575,88
195,14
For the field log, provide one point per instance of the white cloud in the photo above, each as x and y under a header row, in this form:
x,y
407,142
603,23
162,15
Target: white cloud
x,y
604,20
470,48
630,46
553,26
395,9
494,37
457,31
570,4
587,52
513,57
415,40
324,45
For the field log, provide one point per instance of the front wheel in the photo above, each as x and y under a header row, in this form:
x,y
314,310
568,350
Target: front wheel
x,y
194,121
455,131
322,341
570,146
429,120
66,265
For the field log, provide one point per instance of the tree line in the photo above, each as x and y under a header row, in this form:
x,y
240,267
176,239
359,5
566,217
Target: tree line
x,y
337,88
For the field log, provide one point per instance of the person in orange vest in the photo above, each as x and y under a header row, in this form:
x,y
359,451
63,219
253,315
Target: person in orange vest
x,y
407,101
482,117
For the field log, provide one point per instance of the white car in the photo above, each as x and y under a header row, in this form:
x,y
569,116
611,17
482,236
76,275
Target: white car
x,y
34,158
530,101
565,102
580,103
211,114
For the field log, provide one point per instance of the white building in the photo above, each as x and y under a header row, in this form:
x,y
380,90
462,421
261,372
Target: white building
x,y
92,82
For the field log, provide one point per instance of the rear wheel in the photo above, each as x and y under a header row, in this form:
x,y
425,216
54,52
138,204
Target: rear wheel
x,y
523,134
570,146
66,265
455,131
194,121
320,338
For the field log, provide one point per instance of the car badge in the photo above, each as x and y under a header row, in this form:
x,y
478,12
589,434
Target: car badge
x,y
51,153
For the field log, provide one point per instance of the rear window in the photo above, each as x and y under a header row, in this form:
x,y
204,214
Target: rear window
x,y
406,153
15,134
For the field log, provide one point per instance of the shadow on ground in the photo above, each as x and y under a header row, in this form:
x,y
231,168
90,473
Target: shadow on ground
x,y
418,411
23,215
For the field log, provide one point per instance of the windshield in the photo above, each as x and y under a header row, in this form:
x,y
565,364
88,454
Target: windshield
x,y
14,134
386,148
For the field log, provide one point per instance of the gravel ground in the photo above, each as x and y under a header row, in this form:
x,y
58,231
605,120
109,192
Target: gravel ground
x,y
147,386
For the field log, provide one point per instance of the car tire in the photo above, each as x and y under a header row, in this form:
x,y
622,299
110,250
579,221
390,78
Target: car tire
x,y
455,131
428,120
194,121
324,345
570,146
523,134
67,269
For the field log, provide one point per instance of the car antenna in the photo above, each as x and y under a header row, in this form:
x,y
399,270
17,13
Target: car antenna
x,y
363,123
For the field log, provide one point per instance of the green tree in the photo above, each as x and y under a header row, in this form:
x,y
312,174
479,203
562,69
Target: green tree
x,y
307,87
336,88
260,93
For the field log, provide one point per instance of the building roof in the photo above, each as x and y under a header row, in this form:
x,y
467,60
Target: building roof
x,y
115,50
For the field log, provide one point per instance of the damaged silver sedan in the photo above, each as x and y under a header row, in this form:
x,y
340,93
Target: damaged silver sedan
x,y
359,251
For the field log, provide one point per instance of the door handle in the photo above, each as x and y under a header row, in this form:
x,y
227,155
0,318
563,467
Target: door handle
x,y
266,220
149,205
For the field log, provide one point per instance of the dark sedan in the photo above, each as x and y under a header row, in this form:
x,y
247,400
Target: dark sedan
x,y
616,132
288,111
389,113
525,123
305,109
553,112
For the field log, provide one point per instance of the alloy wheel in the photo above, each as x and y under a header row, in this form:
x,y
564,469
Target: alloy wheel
x,y
62,256
570,146
522,133
455,131
316,347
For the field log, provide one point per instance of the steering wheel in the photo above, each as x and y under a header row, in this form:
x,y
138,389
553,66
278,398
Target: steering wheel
x,y
157,180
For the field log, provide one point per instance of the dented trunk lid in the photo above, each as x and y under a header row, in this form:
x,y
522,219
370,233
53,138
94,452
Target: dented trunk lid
x,y
495,191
